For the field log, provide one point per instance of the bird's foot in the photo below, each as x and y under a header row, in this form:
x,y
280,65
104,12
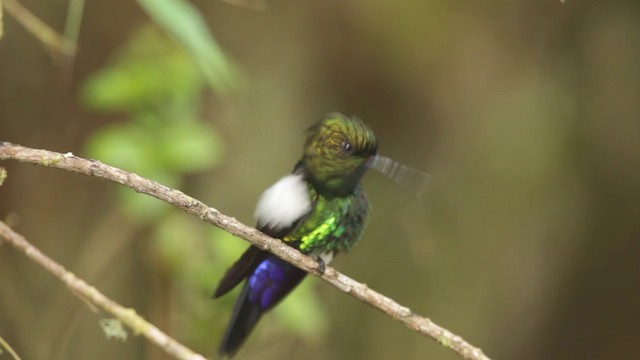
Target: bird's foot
x,y
321,266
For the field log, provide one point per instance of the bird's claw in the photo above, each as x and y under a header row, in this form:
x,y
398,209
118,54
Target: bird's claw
x,y
321,266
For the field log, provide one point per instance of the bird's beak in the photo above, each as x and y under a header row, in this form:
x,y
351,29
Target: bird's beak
x,y
407,177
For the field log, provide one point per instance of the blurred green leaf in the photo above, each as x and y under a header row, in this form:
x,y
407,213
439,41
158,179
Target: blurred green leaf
x,y
172,238
125,145
141,208
182,20
152,70
159,152
191,146
152,150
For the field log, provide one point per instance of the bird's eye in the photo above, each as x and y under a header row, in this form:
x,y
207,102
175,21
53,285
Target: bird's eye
x,y
347,147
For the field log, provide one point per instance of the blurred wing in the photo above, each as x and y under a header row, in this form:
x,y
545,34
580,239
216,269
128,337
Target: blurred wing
x,y
409,178
250,259
240,270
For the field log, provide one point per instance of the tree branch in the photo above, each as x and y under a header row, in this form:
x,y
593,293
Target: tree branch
x,y
78,286
192,206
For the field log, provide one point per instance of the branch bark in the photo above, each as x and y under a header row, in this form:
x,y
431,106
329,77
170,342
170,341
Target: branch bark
x,y
192,206
78,286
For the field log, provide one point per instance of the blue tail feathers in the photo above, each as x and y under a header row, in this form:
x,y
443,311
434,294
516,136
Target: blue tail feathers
x,y
270,281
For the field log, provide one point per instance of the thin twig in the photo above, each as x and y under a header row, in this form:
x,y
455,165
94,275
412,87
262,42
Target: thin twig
x,y
192,206
1,23
9,349
77,285
39,29
74,20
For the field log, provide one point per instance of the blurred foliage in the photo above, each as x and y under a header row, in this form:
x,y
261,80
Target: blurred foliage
x,y
186,24
158,85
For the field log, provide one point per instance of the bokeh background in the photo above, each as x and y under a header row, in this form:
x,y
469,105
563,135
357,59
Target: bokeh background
x,y
526,113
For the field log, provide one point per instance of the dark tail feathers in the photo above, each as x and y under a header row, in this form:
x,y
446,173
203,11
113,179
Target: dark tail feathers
x,y
244,319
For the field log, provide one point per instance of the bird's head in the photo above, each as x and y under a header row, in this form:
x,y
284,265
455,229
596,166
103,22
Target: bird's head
x,y
336,154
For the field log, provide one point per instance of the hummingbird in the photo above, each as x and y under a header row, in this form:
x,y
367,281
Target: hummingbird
x,y
320,208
